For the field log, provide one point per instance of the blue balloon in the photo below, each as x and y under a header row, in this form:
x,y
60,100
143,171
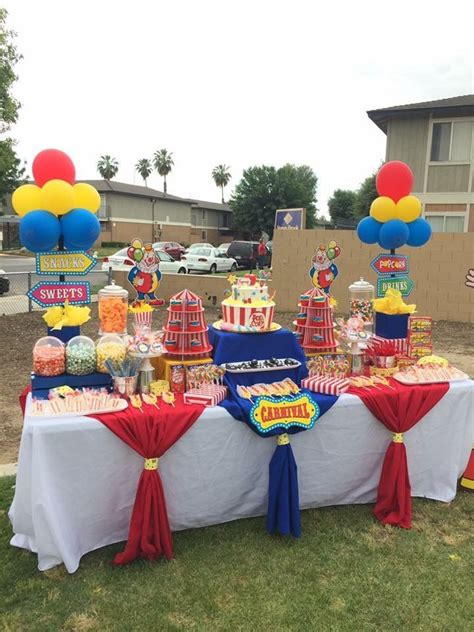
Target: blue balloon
x,y
368,230
393,234
80,229
39,231
419,232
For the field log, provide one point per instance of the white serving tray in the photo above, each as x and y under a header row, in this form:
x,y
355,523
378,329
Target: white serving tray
x,y
265,368
400,378
123,404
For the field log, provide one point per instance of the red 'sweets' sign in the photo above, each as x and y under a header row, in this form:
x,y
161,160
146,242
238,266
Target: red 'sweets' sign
x,y
47,294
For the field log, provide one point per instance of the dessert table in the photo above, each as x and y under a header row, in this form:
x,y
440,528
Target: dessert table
x,y
76,480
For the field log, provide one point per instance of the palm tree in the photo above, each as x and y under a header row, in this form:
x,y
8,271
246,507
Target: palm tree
x,y
144,168
107,167
163,162
221,176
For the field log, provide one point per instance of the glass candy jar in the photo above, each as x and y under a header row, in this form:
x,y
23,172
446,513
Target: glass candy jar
x,y
110,347
49,357
113,307
361,297
80,356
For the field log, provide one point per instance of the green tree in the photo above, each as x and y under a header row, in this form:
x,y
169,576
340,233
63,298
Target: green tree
x,y
341,205
11,169
365,195
107,167
163,162
263,190
221,176
144,168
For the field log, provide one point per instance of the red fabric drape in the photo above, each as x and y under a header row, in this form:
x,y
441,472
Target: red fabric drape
x,y
23,395
399,408
150,434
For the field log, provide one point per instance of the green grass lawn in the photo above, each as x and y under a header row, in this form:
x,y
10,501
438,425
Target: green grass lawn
x,y
347,572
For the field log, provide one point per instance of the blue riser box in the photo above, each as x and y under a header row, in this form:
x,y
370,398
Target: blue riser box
x,y
40,385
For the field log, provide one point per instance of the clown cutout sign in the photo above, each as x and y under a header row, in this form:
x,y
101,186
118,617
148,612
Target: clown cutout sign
x,y
145,275
323,270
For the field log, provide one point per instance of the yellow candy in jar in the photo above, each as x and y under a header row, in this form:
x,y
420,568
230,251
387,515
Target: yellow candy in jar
x,y
110,347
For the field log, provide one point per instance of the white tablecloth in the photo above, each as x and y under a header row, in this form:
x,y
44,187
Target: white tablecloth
x,y
76,480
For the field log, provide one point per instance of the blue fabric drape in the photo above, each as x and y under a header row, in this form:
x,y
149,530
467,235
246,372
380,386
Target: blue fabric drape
x,y
283,513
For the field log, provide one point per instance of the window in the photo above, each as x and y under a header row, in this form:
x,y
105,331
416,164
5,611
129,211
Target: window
x,y
164,256
203,216
204,234
225,220
451,142
102,214
446,223
193,219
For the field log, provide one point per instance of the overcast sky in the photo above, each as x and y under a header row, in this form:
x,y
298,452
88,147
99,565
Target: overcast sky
x,y
239,82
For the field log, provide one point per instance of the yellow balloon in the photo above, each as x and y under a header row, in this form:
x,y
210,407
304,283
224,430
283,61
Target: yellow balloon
x,y
136,243
26,198
332,244
57,197
383,209
85,196
408,208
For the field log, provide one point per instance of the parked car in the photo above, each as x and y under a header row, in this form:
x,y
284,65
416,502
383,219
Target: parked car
x,y
193,246
241,251
223,248
172,248
209,260
119,262
4,282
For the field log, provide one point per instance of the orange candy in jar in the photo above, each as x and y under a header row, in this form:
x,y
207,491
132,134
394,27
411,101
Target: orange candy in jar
x,y
49,357
113,307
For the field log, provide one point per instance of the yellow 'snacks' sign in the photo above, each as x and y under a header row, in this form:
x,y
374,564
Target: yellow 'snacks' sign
x,y
283,413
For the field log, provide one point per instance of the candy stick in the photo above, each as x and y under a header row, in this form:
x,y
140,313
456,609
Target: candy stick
x,y
136,402
150,399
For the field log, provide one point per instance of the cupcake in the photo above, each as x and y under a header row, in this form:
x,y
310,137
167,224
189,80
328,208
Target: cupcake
x,y
170,344
192,305
194,324
175,325
301,318
304,300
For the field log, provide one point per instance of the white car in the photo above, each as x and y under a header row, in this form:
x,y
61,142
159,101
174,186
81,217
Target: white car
x,y
223,248
193,246
120,262
208,260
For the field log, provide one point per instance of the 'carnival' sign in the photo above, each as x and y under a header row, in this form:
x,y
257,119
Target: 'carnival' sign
x,y
390,264
269,414
70,262
50,293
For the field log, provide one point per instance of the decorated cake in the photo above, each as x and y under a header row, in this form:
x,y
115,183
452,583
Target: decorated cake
x,y
248,308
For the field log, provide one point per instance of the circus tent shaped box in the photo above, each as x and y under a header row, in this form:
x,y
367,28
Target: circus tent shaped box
x,y
185,331
314,325
249,308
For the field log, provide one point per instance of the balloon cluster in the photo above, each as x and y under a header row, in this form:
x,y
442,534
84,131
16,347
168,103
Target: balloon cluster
x,y
136,250
55,206
333,250
394,218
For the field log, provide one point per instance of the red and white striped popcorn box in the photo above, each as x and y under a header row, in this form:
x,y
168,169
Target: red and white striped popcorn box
x,y
208,395
143,319
400,343
326,385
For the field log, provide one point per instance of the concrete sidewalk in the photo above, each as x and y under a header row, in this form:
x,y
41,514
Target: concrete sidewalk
x,y
8,469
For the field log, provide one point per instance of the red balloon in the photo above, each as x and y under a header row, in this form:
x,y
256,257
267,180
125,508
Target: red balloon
x,y
131,253
394,180
53,164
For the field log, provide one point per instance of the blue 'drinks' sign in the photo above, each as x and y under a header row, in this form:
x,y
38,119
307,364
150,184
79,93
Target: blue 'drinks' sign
x,y
290,218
